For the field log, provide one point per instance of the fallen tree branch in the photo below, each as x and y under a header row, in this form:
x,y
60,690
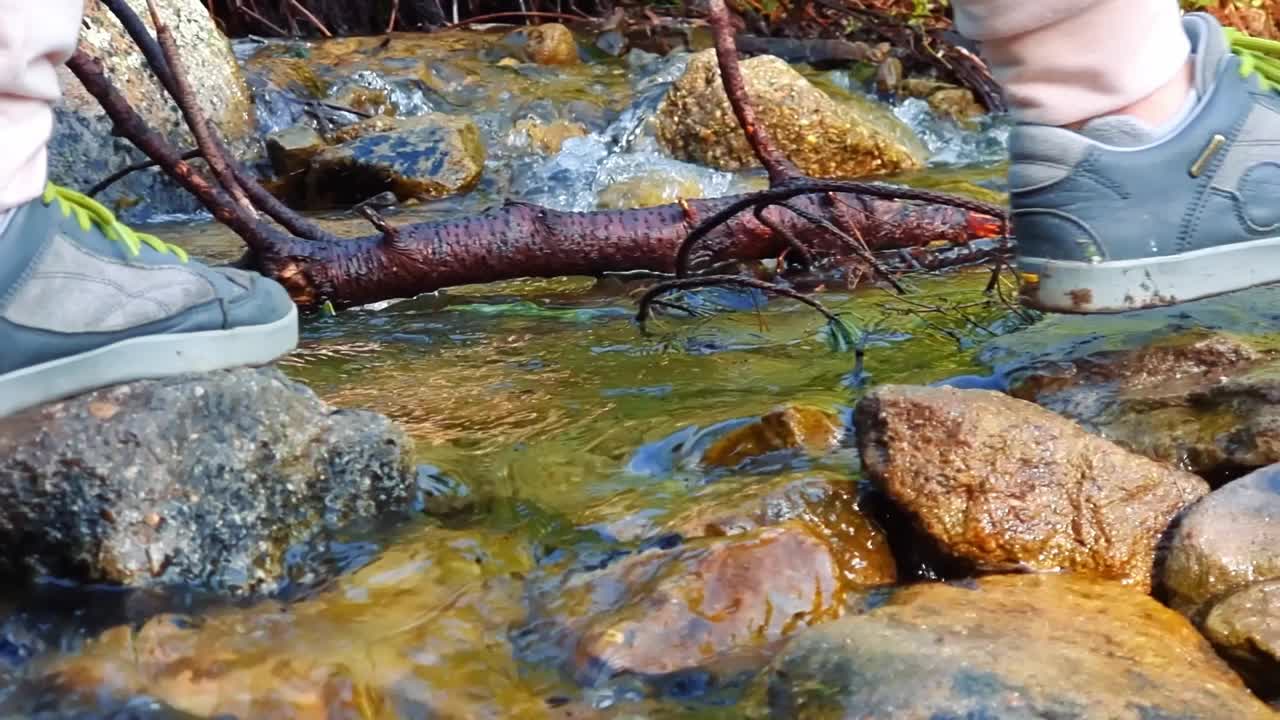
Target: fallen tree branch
x,y
522,240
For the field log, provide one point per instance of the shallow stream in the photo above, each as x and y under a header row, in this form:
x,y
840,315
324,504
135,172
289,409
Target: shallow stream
x,y
543,416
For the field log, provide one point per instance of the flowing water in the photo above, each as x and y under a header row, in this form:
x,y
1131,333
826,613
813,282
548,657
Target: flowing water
x,y
541,414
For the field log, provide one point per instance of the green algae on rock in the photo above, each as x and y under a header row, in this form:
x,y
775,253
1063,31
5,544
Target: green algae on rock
x,y
1000,483
1013,646
823,137
424,157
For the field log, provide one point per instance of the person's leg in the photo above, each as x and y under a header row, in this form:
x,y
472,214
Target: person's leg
x,y
1139,175
34,39
86,302
1062,62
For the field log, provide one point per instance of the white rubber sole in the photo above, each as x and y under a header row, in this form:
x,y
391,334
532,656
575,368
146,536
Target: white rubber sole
x,y
1064,286
147,358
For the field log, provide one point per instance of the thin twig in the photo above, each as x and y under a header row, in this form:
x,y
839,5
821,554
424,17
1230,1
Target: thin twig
x,y
261,197
194,114
807,186
780,168
514,13
124,172
642,312
89,71
311,18
395,10
859,245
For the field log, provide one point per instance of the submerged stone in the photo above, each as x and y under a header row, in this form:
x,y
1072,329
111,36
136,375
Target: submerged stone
x,y
999,483
201,480
425,157
419,632
1021,646
823,137
805,429
1222,569
667,611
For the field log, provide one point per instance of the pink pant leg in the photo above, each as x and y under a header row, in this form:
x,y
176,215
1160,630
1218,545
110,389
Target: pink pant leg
x,y
1063,61
35,37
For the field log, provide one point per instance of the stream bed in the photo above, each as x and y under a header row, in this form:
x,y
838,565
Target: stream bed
x,y
553,436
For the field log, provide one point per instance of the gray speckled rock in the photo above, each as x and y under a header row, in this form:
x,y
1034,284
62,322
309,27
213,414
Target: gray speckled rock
x,y
83,151
203,480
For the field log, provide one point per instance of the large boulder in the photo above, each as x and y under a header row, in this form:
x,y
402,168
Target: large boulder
x,y
203,480
825,138
999,483
83,150
1013,646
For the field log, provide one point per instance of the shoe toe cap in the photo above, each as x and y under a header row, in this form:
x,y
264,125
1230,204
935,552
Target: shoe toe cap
x,y
262,300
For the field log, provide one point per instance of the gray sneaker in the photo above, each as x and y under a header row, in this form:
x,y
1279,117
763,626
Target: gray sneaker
x,y
1114,218
86,302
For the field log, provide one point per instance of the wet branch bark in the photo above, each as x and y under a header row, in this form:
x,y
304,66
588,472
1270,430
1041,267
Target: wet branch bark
x,y
522,240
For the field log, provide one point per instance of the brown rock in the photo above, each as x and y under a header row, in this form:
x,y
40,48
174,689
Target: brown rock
x,y
825,138
291,149
1227,541
1013,647
826,505
1001,483
807,429
703,602
549,44
1245,628
1203,400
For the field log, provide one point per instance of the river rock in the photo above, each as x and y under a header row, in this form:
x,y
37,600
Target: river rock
x,y
1227,541
825,138
1014,646
292,149
700,605
1204,400
795,427
999,483
548,44
203,480
1245,627
82,150
423,157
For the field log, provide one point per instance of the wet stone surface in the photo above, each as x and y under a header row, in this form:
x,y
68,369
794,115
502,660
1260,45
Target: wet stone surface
x,y
205,481
823,137
1014,646
1000,484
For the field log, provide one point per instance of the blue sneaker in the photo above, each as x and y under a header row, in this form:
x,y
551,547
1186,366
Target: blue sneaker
x,y
1114,218
85,302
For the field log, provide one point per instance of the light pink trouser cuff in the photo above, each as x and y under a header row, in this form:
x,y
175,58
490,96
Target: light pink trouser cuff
x,y
1061,61
35,37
